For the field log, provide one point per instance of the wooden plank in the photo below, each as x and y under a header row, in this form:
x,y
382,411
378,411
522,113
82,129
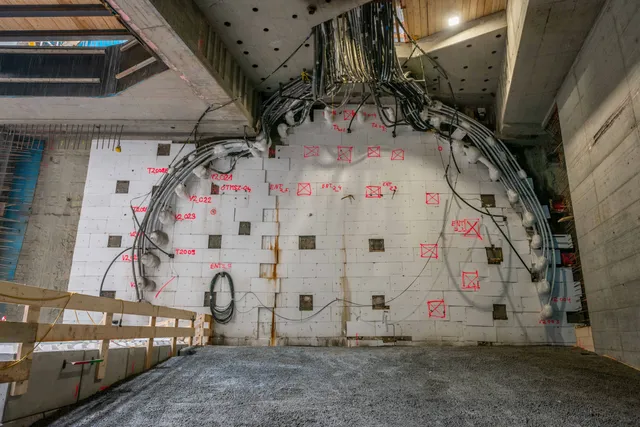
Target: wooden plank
x,y
73,332
101,370
18,373
431,4
17,332
424,17
22,294
174,341
190,338
149,353
25,349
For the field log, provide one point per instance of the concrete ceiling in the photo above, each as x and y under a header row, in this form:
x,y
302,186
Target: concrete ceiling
x,y
261,34
471,56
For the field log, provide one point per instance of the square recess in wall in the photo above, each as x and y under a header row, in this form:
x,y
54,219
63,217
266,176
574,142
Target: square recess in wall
x,y
215,241
122,187
164,149
114,242
488,200
245,228
108,294
306,302
500,312
215,189
207,299
494,255
376,245
377,302
307,242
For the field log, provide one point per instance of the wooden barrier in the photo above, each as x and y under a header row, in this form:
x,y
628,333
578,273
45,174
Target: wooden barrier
x,y
30,332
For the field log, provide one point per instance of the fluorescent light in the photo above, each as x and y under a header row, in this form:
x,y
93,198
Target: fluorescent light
x,y
454,20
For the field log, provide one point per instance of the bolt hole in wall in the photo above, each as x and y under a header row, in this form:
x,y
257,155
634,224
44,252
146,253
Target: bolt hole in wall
x,y
360,217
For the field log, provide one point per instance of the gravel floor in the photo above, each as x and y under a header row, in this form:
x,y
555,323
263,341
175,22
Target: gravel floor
x,y
397,386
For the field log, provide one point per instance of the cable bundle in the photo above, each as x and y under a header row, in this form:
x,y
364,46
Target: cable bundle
x,y
221,314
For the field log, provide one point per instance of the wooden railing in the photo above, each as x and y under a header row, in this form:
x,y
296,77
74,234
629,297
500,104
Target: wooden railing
x,y
29,333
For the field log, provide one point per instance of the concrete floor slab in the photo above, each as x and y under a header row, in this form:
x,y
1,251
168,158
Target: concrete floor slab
x,y
444,386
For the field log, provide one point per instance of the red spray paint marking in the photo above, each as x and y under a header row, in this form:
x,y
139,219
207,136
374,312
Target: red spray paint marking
x,y
304,189
549,322
185,251
228,187
278,188
133,366
344,154
348,114
470,280
202,199
221,266
140,209
103,388
429,250
222,176
373,192
75,394
336,188
472,228
469,228
433,198
213,211
373,151
183,217
311,151
165,285
379,126
397,154
437,309
155,171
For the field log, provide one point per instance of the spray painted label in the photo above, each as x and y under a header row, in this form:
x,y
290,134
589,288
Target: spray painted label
x,y
219,266
336,188
185,251
222,176
127,258
140,209
378,126
186,216
228,187
549,322
278,188
155,171
202,199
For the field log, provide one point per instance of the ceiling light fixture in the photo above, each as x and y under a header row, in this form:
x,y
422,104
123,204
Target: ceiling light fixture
x,y
453,21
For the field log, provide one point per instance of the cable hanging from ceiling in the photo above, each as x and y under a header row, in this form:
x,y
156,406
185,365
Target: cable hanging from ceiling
x,y
356,48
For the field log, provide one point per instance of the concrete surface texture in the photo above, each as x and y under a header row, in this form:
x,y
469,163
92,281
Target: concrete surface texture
x,y
161,105
544,37
444,386
599,109
49,243
336,190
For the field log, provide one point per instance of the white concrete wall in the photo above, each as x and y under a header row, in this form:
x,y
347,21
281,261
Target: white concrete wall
x,y
599,108
343,220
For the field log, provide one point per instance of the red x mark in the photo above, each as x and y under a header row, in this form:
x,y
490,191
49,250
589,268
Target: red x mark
x,y
373,151
429,250
437,309
472,228
344,154
373,192
470,280
348,114
311,151
304,189
433,198
397,154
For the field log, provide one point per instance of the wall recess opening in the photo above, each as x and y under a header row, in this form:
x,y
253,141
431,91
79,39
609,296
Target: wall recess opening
x,y
376,245
500,312
114,242
377,302
306,303
122,187
488,200
307,242
494,255
164,149
215,241
245,228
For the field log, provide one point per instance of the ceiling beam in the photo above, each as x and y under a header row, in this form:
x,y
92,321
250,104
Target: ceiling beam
x,y
61,35
451,36
53,10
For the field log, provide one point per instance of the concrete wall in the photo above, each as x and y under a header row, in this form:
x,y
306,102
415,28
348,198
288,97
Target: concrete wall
x,y
426,296
47,250
599,109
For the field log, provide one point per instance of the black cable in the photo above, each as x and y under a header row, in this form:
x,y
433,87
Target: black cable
x,y
104,276
356,112
224,315
139,229
486,213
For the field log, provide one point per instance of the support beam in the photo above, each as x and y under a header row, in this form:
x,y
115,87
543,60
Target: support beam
x,y
461,34
181,36
53,10
61,35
